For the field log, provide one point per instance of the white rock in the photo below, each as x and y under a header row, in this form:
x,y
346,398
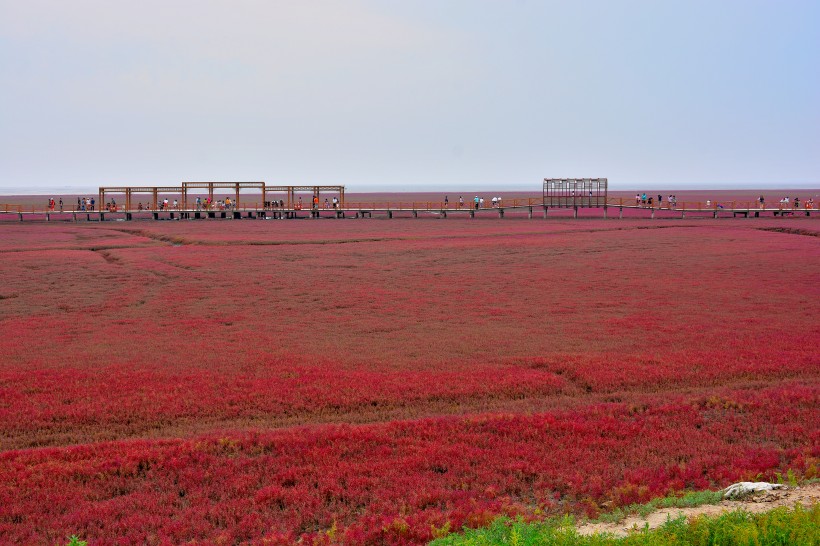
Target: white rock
x,y
741,489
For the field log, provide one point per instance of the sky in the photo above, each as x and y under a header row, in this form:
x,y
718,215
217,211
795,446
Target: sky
x,y
409,95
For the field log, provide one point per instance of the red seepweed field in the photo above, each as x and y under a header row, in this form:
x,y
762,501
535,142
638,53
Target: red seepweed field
x,y
384,381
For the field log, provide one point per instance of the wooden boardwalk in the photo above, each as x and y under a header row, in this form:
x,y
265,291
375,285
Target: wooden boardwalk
x,y
532,207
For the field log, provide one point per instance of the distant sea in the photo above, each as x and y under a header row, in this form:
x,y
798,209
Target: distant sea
x,y
426,189
49,190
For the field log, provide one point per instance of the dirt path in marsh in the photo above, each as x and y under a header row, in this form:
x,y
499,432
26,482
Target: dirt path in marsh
x,y
761,502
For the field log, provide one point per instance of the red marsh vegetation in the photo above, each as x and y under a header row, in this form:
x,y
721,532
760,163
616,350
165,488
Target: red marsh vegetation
x,y
371,382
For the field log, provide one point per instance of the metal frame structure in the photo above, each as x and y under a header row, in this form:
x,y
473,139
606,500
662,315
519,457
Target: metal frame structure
x,y
129,191
263,188
210,186
315,190
575,192
190,187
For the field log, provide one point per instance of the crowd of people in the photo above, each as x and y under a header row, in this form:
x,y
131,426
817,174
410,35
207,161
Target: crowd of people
x,y
220,204
52,205
334,203
644,200
477,202
199,204
87,204
787,203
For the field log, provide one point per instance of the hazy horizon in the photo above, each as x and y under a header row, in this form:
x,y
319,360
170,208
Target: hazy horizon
x,y
86,191
424,96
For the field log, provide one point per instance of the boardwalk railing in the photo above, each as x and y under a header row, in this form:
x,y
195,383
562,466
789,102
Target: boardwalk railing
x,y
711,206
469,205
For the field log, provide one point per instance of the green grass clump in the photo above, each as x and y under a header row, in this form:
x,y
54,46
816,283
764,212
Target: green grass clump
x,y
796,526
688,500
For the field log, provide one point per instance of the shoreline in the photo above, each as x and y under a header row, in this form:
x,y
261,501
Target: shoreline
x,y
771,195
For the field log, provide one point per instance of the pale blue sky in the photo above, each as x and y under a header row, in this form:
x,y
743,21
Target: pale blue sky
x,y
410,95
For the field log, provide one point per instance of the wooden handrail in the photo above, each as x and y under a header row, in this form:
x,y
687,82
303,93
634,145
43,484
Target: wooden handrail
x,y
510,202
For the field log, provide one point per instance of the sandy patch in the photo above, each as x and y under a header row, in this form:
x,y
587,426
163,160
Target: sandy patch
x,y
762,502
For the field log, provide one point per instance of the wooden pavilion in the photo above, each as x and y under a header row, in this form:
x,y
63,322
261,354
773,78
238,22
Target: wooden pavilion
x,y
189,189
575,192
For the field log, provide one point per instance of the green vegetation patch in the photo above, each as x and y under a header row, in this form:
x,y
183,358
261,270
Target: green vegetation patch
x,y
796,526
687,500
